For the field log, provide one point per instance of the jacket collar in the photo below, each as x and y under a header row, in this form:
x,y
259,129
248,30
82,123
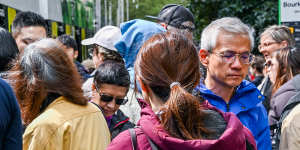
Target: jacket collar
x,y
246,96
118,119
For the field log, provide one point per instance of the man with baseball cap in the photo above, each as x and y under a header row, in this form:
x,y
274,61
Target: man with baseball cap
x,y
102,49
176,17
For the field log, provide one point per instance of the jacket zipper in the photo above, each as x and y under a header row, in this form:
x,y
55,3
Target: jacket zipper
x,y
227,107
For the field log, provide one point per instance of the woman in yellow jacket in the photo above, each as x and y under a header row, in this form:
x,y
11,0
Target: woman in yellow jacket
x,y
54,111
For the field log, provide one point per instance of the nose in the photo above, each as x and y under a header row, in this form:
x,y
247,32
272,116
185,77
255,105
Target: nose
x,y
111,104
236,63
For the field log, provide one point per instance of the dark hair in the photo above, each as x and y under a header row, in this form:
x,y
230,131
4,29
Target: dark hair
x,y
25,19
108,54
8,50
294,60
112,72
44,68
164,59
258,63
284,73
68,41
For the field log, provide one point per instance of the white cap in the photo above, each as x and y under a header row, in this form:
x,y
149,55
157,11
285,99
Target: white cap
x,y
105,37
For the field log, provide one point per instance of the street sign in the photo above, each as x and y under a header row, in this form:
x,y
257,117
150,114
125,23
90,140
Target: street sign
x,y
289,10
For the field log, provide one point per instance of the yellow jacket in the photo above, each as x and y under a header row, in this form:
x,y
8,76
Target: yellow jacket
x,y
67,126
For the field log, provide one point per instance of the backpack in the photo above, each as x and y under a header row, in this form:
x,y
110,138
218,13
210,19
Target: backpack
x,y
276,128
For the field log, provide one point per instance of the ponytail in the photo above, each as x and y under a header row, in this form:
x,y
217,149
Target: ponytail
x,y
163,59
183,116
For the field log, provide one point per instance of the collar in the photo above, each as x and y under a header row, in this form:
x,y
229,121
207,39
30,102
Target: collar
x,y
246,96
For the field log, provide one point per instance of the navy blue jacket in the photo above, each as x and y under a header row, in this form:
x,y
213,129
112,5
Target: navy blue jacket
x,y
246,103
10,119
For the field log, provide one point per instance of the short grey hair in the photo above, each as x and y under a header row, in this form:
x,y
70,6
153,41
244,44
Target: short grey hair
x,y
279,33
228,24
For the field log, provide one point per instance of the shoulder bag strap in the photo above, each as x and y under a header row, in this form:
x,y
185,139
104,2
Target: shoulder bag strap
x,y
133,138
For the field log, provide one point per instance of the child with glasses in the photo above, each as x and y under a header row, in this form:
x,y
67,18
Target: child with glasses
x,y
110,87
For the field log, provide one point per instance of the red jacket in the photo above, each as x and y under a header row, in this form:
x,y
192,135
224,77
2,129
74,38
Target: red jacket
x,y
233,138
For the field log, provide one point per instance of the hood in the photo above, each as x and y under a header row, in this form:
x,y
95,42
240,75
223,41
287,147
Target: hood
x,y
233,138
134,34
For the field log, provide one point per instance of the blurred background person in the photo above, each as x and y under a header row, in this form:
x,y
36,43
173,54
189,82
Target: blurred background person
x,y
88,65
257,67
102,49
54,110
111,84
271,39
290,129
279,72
71,49
176,18
172,118
8,51
27,28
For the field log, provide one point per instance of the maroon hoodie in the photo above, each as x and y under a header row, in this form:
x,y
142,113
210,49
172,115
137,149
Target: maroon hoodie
x,y
233,138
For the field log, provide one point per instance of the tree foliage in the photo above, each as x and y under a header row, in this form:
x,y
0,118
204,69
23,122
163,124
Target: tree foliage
x,y
257,13
150,7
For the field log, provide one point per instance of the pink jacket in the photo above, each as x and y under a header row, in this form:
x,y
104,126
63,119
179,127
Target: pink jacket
x,y
233,138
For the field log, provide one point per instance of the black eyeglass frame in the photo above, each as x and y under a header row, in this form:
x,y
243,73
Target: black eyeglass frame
x,y
117,100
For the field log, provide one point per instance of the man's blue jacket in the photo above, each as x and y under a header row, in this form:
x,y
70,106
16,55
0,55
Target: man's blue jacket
x,y
246,103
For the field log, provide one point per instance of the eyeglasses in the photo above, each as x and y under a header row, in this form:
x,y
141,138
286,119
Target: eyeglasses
x,y
264,45
229,57
108,98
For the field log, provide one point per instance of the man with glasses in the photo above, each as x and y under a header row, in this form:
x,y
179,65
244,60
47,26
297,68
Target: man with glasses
x,y
110,86
102,49
226,44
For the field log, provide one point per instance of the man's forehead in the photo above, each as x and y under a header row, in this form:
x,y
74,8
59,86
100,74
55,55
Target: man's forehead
x,y
233,42
33,32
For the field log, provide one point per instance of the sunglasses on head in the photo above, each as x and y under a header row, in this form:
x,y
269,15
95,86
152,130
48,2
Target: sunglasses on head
x,y
107,98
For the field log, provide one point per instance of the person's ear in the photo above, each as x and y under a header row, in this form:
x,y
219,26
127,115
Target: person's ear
x,y
203,56
145,90
75,54
283,44
143,86
164,25
93,87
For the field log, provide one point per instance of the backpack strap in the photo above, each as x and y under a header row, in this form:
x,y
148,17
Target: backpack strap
x,y
134,139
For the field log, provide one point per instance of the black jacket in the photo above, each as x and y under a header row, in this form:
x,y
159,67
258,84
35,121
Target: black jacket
x,y
119,123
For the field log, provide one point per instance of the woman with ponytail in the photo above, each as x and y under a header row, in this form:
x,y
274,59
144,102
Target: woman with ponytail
x,y
167,69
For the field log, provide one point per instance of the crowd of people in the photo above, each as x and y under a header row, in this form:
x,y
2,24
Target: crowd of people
x,y
145,88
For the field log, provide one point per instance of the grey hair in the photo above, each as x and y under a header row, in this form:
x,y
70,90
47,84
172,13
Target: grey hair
x,y
34,56
228,24
279,33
